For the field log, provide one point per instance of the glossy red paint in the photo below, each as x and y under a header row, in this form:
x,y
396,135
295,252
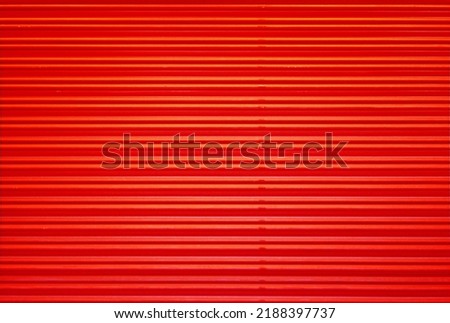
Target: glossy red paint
x,y
75,75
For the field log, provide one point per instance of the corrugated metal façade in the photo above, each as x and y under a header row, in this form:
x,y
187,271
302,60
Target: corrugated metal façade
x,y
75,75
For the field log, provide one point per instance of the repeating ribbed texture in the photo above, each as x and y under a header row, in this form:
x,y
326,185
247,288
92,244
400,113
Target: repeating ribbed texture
x,y
74,76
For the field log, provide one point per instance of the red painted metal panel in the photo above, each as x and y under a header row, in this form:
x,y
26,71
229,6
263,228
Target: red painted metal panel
x,y
77,75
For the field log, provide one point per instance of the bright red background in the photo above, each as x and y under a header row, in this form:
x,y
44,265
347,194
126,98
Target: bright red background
x,y
375,73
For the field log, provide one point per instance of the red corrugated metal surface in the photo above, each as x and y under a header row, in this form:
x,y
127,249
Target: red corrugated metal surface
x,y
374,73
